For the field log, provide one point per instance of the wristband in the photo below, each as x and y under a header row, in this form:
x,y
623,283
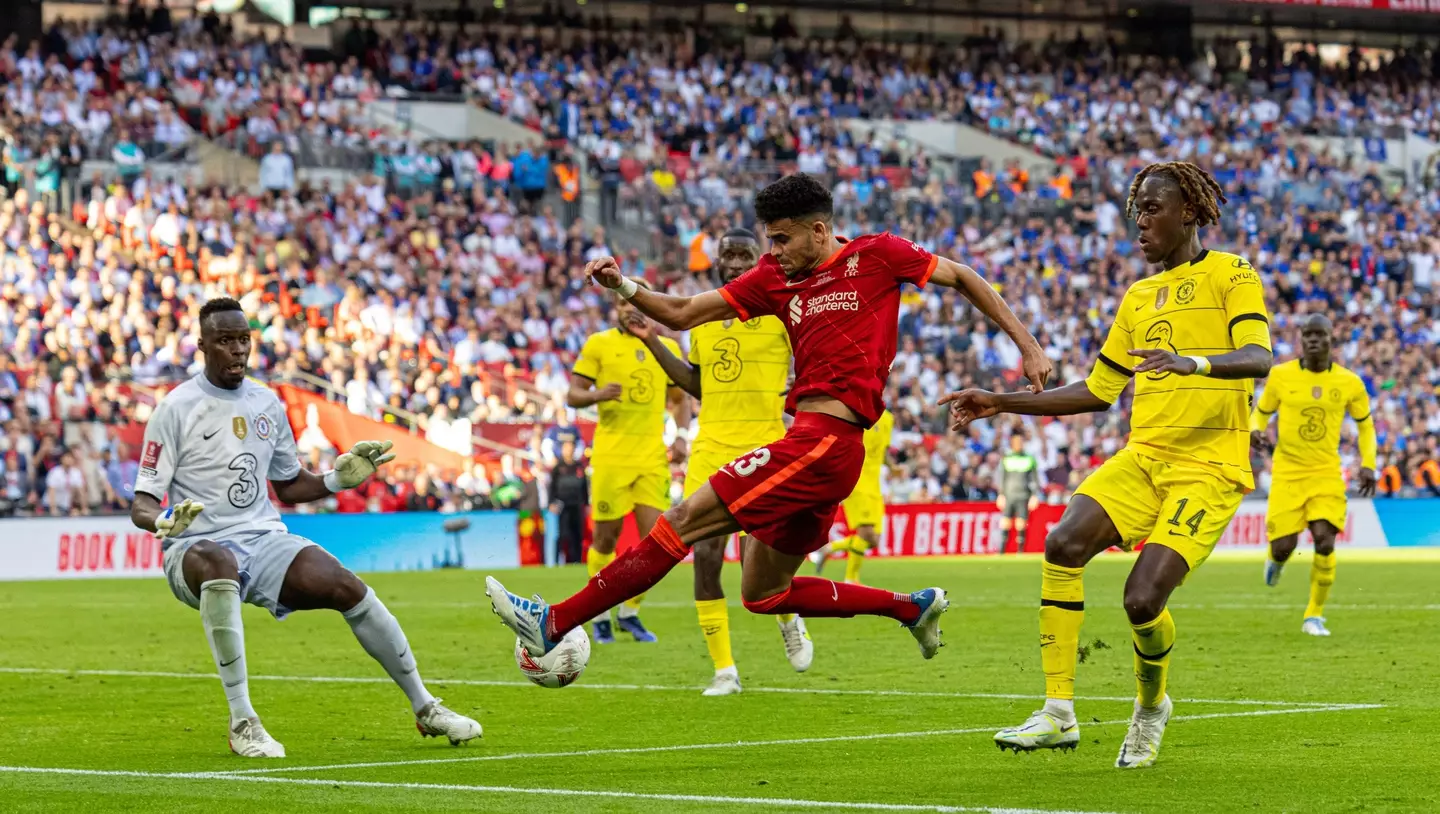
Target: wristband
x,y
332,482
627,288
1202,365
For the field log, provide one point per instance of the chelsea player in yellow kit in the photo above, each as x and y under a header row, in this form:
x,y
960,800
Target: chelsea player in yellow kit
x,y
1193,338
739,371
618,375
1312,396
865,508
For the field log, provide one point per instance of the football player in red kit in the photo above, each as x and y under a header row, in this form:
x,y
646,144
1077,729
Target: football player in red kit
x,y
839,300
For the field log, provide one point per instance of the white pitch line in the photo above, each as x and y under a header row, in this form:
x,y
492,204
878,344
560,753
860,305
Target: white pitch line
x,y
770,802
476,682
753,744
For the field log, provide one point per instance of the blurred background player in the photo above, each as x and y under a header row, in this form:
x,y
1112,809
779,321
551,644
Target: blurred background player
x,y
839,300
865,508
1017,493
738,370
210,447
569,495
1313,395
1182,474
620,377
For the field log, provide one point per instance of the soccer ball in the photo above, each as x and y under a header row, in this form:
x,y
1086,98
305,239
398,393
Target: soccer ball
x,y
561,666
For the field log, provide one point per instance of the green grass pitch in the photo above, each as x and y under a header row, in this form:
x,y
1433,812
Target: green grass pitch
x,y
108,684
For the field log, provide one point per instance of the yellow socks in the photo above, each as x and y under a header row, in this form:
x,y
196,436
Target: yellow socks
x,y
854,560
1153,641
595,561
715,624
1062,610
1322,576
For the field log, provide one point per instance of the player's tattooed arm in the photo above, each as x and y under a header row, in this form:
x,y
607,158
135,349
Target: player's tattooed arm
x,y
675,313
967,281
972,405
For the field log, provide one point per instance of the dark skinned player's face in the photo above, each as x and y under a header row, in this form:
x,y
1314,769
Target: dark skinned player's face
x,y
798,245
225,339
1315,340
737,256
1163,217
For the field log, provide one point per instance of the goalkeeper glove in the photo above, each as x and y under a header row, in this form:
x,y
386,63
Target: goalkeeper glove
x,y
352,468
174,520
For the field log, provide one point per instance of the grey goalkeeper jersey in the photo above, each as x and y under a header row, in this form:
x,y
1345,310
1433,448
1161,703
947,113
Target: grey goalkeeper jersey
x,y
1019,476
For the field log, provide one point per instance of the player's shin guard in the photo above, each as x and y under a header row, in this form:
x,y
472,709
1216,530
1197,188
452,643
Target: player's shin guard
x,y
631,574
715,624
1153,641
220,614
1062,610
379,633
813,597
1322,576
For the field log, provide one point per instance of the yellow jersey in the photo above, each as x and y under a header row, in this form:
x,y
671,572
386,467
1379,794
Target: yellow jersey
x,y
1212,305
1312,406
743,369
877,443
632,429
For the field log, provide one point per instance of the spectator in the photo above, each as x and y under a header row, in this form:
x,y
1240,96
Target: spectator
x,y
277,169
65,488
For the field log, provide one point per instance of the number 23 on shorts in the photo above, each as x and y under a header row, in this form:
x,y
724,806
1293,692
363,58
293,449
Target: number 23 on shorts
x,y
745,465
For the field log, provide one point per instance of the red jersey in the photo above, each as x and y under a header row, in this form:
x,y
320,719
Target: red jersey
x,y
842,317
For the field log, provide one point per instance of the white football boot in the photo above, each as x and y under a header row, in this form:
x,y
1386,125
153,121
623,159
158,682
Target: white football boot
x,y
798,647
1142,743
1041,730
726,682
926,629
1314,626
435,721
249,739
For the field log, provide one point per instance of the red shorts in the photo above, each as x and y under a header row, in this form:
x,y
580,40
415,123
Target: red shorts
x,y
785,494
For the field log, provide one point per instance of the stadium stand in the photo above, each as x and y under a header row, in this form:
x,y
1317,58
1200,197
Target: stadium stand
x,y
437,286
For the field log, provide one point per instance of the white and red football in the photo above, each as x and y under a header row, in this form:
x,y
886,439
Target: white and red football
x,y
561,666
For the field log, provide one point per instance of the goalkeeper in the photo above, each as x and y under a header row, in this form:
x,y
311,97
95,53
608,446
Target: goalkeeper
x,y
210,447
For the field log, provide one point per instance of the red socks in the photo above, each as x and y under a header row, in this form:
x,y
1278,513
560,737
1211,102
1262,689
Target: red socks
x,y
815,597
642,567
631,574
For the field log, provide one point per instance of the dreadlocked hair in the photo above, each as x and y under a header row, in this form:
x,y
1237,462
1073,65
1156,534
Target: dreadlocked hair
x,y
1197,187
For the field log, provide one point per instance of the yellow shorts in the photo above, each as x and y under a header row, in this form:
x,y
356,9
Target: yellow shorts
x,y
706,458
1294,504
616,491
865,507
1179,507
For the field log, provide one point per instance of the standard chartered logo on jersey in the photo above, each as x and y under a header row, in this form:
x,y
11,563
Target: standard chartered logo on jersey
x,y
834,301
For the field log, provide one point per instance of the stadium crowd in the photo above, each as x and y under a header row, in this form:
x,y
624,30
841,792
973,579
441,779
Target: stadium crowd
x,y
442,289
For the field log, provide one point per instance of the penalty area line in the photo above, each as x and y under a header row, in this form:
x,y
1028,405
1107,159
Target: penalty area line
x,y
769,802
932,733
472,682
